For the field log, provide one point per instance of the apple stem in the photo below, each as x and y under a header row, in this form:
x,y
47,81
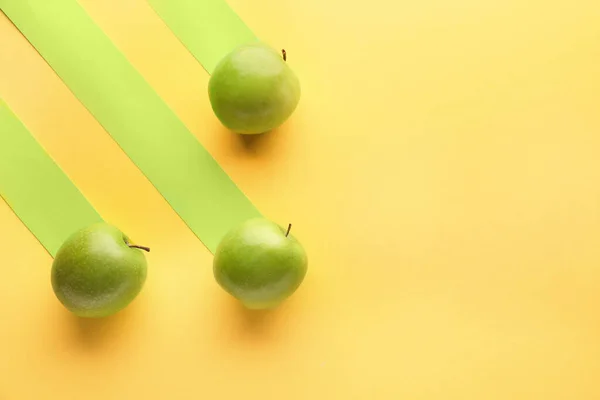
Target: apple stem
x,y
284,54
288,230
135,246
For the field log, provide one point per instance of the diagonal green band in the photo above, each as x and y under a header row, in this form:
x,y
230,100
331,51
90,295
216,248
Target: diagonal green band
x,y
36,189
133,114
208,28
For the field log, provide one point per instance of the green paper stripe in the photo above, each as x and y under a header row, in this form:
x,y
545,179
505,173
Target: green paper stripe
x,y
134,115
36,189
208,28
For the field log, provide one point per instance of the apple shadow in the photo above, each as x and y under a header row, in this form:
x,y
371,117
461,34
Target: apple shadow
x,y
254,321
94,333
256,145
253,326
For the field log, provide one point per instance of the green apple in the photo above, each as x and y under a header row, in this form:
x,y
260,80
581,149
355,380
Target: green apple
x,y
97,272
253,90
260,263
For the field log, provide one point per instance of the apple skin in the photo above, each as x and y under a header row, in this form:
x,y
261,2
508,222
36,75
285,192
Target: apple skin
x,y
95,273
259,265
253,90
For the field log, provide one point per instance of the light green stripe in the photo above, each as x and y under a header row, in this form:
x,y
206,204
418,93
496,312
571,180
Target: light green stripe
x,y
134,115
36,189
208,28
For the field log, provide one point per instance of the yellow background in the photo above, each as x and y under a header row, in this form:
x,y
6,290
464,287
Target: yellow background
x,y
442,170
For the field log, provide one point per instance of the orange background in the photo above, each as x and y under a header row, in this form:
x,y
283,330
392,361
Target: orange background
x,y
442,171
